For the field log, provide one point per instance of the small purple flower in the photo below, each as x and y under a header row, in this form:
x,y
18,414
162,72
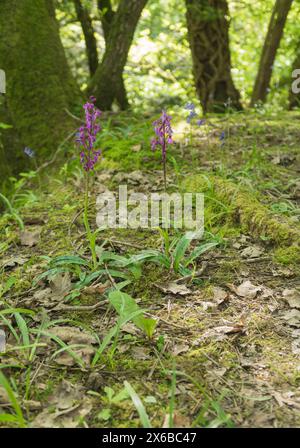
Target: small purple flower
x,y
191,115
200,122
222,138
86,136
164,132
29,152
189,106
192,112
163,138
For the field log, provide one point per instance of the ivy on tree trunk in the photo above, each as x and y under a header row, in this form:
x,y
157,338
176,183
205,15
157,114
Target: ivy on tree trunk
x,y
208,34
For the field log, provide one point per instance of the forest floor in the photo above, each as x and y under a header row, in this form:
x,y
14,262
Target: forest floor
x,y
226,349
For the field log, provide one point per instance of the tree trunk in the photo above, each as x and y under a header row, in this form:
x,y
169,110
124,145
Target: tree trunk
x,y
107,16
39,83
272,42
89,35
105,85
208,33
295,89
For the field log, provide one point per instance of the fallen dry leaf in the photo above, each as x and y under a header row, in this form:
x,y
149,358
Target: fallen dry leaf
x,y
175,288
219,295
180,348
140,353
60,285
247,290
292,297
74,336
13,261
30,239
222,331
179,421
293,318
136,148
251,252
100,288
70,404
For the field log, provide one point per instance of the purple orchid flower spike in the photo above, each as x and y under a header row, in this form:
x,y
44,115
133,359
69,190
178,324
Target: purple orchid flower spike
x,y
163,138
86,136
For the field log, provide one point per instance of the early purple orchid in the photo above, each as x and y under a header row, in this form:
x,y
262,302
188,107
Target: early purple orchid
x,y
86,136
85,139
163,138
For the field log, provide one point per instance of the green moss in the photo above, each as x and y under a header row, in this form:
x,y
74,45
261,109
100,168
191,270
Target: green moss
x,y
289,255
247,210
39,83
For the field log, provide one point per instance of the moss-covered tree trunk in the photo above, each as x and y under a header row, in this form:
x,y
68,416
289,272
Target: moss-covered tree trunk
x,y
272,42
208,33
294,98
39,84
105,85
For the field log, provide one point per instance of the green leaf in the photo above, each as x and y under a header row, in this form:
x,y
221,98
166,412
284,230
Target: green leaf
x,y
138,405
105,414
50,273
9,283
125,305
149,255
113,332
22,325
120,396
199,250
14,402
68,259
16,310
5,126
109,393
180,251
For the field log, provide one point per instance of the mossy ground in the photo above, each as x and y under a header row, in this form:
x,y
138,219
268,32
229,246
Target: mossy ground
x,y
249,377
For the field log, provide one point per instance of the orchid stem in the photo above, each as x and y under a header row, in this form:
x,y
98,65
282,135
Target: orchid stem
x,y
90,236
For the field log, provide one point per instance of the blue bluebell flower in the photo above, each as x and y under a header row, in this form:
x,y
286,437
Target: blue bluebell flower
x,y
29,152
189,106
222,136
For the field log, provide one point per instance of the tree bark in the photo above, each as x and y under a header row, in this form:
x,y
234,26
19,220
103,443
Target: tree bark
x,y
294,98
208,34
107,16
271,45
105,85
89,35
39,83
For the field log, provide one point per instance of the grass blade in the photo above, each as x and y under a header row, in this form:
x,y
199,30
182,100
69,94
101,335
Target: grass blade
x,y
138,405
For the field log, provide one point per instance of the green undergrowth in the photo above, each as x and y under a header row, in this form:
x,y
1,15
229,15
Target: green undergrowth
x,y
236,179
247,210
